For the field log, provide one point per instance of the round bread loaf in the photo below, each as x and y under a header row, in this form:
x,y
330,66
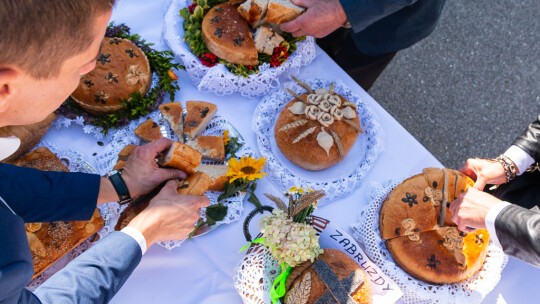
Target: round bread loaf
x,y
227,35
305,284
121,69
428,250
305,151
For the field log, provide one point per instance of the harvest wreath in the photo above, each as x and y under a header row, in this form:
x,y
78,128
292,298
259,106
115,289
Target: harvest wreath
x,y
193,19
138,105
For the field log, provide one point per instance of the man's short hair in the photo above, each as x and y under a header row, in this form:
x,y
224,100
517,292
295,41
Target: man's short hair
x,y
38,36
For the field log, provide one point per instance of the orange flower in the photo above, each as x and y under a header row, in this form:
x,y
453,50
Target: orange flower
x,y
172,75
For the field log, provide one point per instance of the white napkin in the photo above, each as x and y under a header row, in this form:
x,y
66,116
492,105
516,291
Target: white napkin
x,y
8,146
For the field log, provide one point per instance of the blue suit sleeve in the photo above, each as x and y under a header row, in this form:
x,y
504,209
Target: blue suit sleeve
x,y
363,13
96,275
39,196
15,260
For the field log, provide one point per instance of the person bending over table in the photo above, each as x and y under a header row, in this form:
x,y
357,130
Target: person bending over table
x,y
510,213
45,47
380,28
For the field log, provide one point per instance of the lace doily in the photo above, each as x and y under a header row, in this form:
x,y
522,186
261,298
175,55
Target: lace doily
x,y
107,159
255,274
75,163
472,290
337,181
218,79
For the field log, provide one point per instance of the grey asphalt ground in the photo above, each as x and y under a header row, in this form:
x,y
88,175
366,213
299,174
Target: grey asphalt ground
x,y
472,86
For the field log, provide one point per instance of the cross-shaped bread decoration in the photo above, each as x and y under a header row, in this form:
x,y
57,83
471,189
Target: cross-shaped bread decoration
x,y
415,223
333,278
317,129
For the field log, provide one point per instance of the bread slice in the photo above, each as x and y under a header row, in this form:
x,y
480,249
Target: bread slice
x,y
253,11
211,147
148,131
42,159
266,40
281,11
182,157
199,115
227,35
196,184
123,156
218,175
172,112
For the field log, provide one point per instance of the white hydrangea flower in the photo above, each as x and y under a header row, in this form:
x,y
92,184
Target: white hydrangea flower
x,y
289,242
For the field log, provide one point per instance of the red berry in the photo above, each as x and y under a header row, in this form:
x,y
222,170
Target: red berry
x,y
192,7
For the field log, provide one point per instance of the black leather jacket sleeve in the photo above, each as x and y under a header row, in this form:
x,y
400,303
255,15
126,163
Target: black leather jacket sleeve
x,y
529,141
518,231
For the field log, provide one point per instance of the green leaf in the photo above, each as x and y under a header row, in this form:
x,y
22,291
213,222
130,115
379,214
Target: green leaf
x,y
184,13
215,213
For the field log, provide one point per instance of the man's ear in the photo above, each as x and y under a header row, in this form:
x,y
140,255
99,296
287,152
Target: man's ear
x,y
8,75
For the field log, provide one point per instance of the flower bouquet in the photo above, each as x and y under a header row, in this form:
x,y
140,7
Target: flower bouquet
x,y
182,31
286,262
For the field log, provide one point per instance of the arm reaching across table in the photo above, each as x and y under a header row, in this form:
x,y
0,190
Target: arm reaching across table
x,y
512,226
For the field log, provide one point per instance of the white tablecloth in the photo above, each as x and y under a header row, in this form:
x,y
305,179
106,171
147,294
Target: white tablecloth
x,y
201,270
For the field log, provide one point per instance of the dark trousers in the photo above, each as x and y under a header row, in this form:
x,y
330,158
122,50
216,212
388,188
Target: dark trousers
x,y
524,190
364,69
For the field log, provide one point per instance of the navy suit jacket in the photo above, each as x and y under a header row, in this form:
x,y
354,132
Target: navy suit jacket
x,y
29,195
383,26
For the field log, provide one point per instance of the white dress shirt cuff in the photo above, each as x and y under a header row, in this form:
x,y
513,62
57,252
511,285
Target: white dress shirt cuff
x,y
521,159
490,221
137,236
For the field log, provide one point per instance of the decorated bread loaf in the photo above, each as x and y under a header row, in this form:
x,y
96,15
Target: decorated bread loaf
x,y
317,129
121,69
51,241
333,278
227,35
423,241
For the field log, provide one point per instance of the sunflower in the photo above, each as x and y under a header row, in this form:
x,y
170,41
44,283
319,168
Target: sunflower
x,y
247,168
226,137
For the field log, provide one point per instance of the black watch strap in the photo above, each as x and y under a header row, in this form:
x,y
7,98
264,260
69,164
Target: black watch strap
x,y
120,187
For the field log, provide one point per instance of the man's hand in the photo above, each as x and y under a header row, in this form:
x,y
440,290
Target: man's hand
x,y
321,18
470,209
142,174
170,216
484,171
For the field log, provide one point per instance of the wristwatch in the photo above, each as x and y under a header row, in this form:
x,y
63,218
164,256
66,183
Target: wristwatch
x,y
120,186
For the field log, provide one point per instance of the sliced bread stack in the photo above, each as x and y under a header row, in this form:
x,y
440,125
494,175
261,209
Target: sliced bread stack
x,y
264,16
